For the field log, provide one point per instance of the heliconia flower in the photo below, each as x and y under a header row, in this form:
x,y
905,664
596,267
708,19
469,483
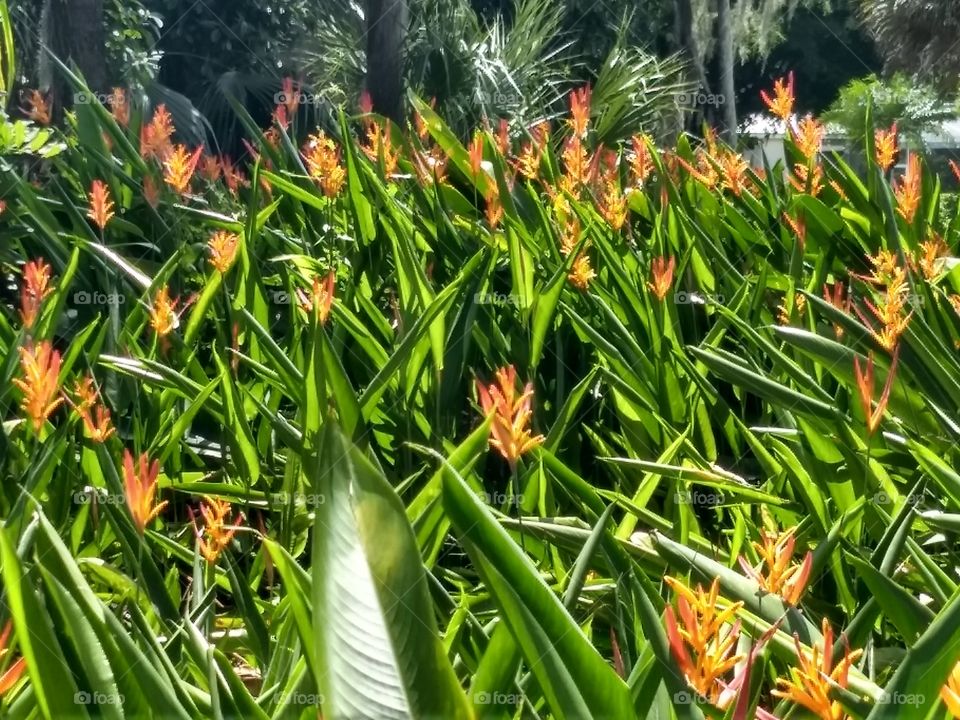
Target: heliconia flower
x,y
885,267
155,136
163,315
811,680
576,166
949,693
87,407
955,169
510,430
874,416
119,107
223,249
885,147
140,482
233,178
101,206
808,136
581,273
734,172
179,167
777,573
475,152
611,202
934,252
799,227
528,161
836,298
320,298
40,383
805,180
703,645
218,529
503,137
366,103
431,167
908,191
151,193
661,276
36,287
210,168
13,673
38,108
580,111
890,309
322,157
494,210
641,162
280,120
380,145
781,104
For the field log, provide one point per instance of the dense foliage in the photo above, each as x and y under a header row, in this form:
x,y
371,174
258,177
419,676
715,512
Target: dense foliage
x,y
382,424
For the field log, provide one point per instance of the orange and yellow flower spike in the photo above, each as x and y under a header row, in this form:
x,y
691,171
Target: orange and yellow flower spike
x,y
218,529
777,573
510,431
140,482
40,383
36,288
101,206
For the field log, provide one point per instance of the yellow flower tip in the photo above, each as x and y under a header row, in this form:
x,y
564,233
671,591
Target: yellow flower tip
x,y
163,315
322,157
223,250
140,482
218,529
781,103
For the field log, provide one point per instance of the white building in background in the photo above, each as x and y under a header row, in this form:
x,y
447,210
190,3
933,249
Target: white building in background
x,y
766,134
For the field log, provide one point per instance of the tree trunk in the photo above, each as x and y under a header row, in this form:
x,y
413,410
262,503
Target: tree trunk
x,y
386,32
727,85
73,30
689,47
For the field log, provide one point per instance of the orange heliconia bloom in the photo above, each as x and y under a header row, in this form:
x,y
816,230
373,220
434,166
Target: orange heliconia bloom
x,y
366,103
38,108
12,674
799,227
155,136
503,137
223,249
661,274
734,171
36,287
87,400
581,273
430,166
933,256
808,136
101,206
475,152
580,111
641,162
890,310
611,202
218,529
141,487
379,144
803,176
163,315
151,193
179,167
576,165
908,190
781,104
494,210
119,107
40,384
320,298
811,680
949,693
874,416
777,573
322,157
703,646
885,147
836,298
231,176
510,431
210,168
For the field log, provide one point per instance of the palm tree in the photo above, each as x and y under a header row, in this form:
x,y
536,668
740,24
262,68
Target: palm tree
x,y
386,31
918,37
